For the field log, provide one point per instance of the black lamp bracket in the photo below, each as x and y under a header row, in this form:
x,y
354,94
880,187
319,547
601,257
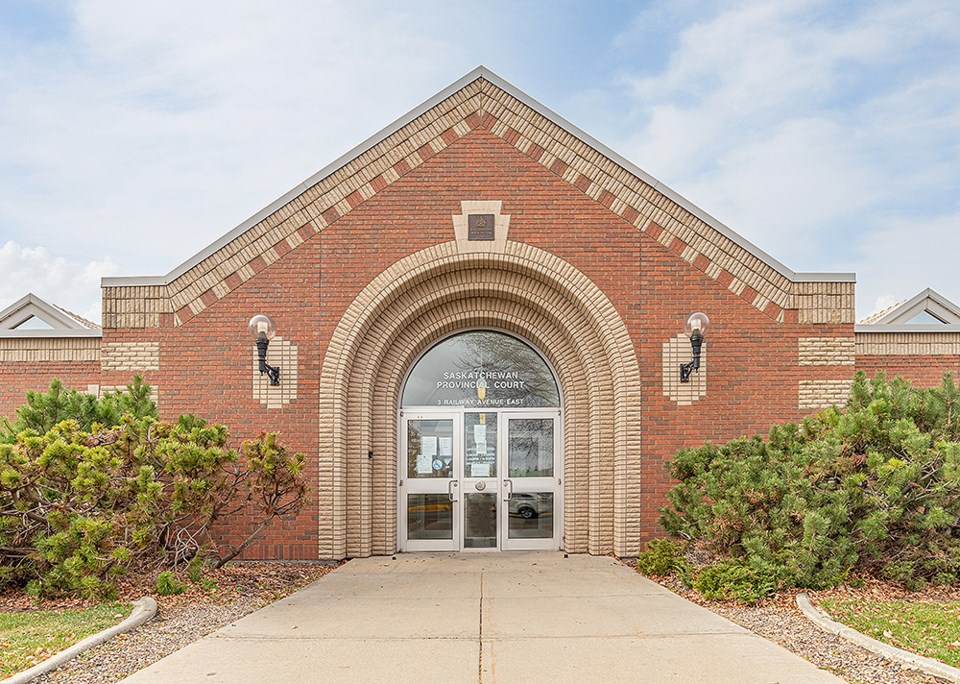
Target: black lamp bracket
x,y
696,345
273,372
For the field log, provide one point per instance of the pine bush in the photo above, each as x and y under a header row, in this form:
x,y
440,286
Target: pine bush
x,y
873,489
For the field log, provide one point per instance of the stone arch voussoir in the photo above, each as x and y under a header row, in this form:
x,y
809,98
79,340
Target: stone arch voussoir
x,y
436,292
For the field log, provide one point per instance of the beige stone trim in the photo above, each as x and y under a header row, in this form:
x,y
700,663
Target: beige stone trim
x,y
49,349
907,344
676,351
280,353
826,351
134,306
825,302
501,228
130,356
817,394
438,291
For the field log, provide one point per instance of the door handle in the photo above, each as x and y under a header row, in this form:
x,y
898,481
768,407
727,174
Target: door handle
x,y
507,484
450,488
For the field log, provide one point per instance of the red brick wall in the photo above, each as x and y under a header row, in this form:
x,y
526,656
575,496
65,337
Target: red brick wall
x,y
923,371
206,368
16,379
206,363
752,362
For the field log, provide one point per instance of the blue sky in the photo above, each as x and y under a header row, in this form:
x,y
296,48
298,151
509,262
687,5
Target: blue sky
x,y
134,134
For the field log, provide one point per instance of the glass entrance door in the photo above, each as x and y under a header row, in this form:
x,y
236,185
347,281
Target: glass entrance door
x,y
480,468
429,482
531,481
480,480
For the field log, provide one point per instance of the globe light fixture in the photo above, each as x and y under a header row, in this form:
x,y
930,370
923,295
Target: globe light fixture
x,y
263,329
694,326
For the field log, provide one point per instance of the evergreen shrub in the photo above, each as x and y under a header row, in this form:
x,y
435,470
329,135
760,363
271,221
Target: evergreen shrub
x,y
873,490
81,503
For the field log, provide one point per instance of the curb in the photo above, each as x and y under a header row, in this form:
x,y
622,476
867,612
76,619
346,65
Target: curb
x,y
143,609
928,665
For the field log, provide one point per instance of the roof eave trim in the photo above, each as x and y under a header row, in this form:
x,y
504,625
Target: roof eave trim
x,y
480,72
922,328
86,332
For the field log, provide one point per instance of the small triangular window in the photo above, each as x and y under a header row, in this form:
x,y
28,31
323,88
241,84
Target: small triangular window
x,y
925,318
33,323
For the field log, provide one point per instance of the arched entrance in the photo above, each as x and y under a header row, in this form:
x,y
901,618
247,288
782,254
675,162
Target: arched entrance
x,y
437,292
481,458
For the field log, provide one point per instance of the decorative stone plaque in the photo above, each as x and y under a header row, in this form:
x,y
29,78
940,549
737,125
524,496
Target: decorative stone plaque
x,y
480,227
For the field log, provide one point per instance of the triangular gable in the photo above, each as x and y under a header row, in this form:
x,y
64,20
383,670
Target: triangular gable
x,y
939,311
20,318
482,99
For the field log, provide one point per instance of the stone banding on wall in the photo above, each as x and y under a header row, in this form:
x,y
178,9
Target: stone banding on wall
x,y
436,292
134,306
480,103
130,356
825,302
826,351
818,394
907,343
49,349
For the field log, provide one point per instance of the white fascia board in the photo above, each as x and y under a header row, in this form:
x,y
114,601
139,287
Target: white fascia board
x,y
921,328
31,306
943,307
376,138
80,332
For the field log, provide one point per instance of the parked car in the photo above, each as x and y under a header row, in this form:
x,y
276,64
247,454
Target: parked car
x,y
530,505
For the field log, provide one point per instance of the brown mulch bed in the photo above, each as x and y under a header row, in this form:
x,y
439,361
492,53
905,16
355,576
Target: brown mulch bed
x,y
779,619
269,579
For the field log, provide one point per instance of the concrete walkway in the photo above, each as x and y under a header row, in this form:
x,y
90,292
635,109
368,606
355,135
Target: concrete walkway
x,y
484,618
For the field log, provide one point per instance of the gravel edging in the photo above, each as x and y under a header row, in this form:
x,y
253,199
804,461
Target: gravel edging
x,y
824,621
143,610
170,631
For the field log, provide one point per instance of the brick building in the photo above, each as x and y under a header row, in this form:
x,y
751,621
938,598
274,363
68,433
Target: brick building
x,y
479,319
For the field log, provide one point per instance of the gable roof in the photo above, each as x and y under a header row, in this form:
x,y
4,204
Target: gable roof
x,y
897,318
62,323
481,99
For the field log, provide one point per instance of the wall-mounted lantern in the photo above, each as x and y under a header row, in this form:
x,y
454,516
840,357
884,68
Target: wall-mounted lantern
x,y
694,326
263,329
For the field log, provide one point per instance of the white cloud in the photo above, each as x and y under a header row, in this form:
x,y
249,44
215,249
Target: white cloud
x,y
816,132
160,126
71,284
148,130
904,257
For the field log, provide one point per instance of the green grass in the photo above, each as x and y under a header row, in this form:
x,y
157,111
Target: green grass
x,y
27,638
929,628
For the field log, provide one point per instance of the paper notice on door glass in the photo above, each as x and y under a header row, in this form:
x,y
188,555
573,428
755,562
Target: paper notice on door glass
x,y
481,448
428,449
479,470
479,433
446,446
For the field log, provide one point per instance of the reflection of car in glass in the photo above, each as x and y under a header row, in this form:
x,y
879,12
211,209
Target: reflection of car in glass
x,y
528,505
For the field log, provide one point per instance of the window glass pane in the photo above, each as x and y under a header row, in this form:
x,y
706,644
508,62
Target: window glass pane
x,y
481,368
531,515
429,516
429,448
530,444
480,521
480,444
